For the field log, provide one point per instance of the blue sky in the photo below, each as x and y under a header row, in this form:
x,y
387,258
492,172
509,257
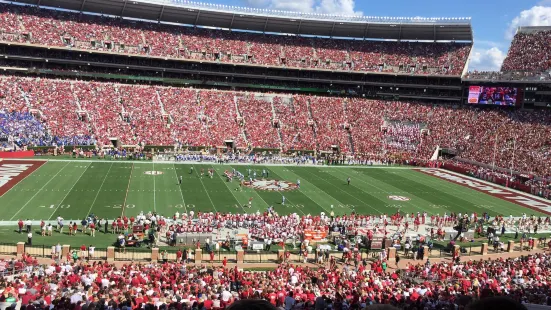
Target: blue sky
x,y
493,21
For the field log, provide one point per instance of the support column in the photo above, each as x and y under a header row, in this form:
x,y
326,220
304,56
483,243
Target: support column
x,y
240,256
510,246
154,255
484,248
65,249
20,249
426,252
280,256
198,256
391,254
110,253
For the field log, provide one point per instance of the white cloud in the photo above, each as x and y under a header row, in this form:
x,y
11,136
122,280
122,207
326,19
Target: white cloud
x,y
338,7
539,15
486,59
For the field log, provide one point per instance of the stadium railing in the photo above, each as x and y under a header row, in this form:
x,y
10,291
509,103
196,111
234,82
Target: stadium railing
x,y
257,256
231,256
99,254
130,254
39,251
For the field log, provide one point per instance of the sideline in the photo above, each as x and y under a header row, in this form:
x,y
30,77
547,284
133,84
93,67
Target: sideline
x,y
215,163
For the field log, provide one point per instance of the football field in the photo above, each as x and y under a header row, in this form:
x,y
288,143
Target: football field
x,y
109,189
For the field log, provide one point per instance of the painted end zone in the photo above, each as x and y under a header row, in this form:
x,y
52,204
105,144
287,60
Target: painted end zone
x,y
13,171
515,197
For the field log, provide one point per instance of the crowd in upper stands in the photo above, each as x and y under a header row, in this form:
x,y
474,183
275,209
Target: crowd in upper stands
x,y
528,58
25,24
528,52
156,115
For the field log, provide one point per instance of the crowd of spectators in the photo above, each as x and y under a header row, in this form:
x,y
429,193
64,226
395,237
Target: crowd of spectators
x,y
144,114
258,117
329,122
101,102
21,128
295,123
80,113
536,185
401,136
185,114
102,33
58,108
68,284
528,52
221,117
353,281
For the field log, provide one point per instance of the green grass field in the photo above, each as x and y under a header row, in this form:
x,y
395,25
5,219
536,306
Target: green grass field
x,y
74,189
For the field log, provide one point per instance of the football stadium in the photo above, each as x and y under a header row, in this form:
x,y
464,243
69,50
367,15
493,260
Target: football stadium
x,y
186,155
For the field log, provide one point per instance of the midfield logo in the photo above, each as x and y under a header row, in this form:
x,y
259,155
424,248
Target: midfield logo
x,y
398,198
270,185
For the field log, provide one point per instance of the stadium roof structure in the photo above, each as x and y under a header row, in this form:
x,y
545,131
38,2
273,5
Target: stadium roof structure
x,y
273,21
531,29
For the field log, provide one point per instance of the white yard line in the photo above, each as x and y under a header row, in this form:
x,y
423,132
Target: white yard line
x,y
382,190
260,196
69,192
436,181
337,187
206,192
127,188
180,188
311,184
154,194
231,191
50,180
99,190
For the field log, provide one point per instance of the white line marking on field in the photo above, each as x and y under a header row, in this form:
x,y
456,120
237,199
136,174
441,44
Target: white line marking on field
x,y
231,191
99,190
50,180
200,179
69,191
179,187
127,188
154,196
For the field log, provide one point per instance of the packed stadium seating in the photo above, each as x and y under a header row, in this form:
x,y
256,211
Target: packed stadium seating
x,y
220,117
258,119
175,285
101,103
156,115
63,29
329,122
529,52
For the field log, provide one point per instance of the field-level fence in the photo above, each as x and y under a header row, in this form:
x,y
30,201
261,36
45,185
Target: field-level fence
x,y
130,254
8,248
